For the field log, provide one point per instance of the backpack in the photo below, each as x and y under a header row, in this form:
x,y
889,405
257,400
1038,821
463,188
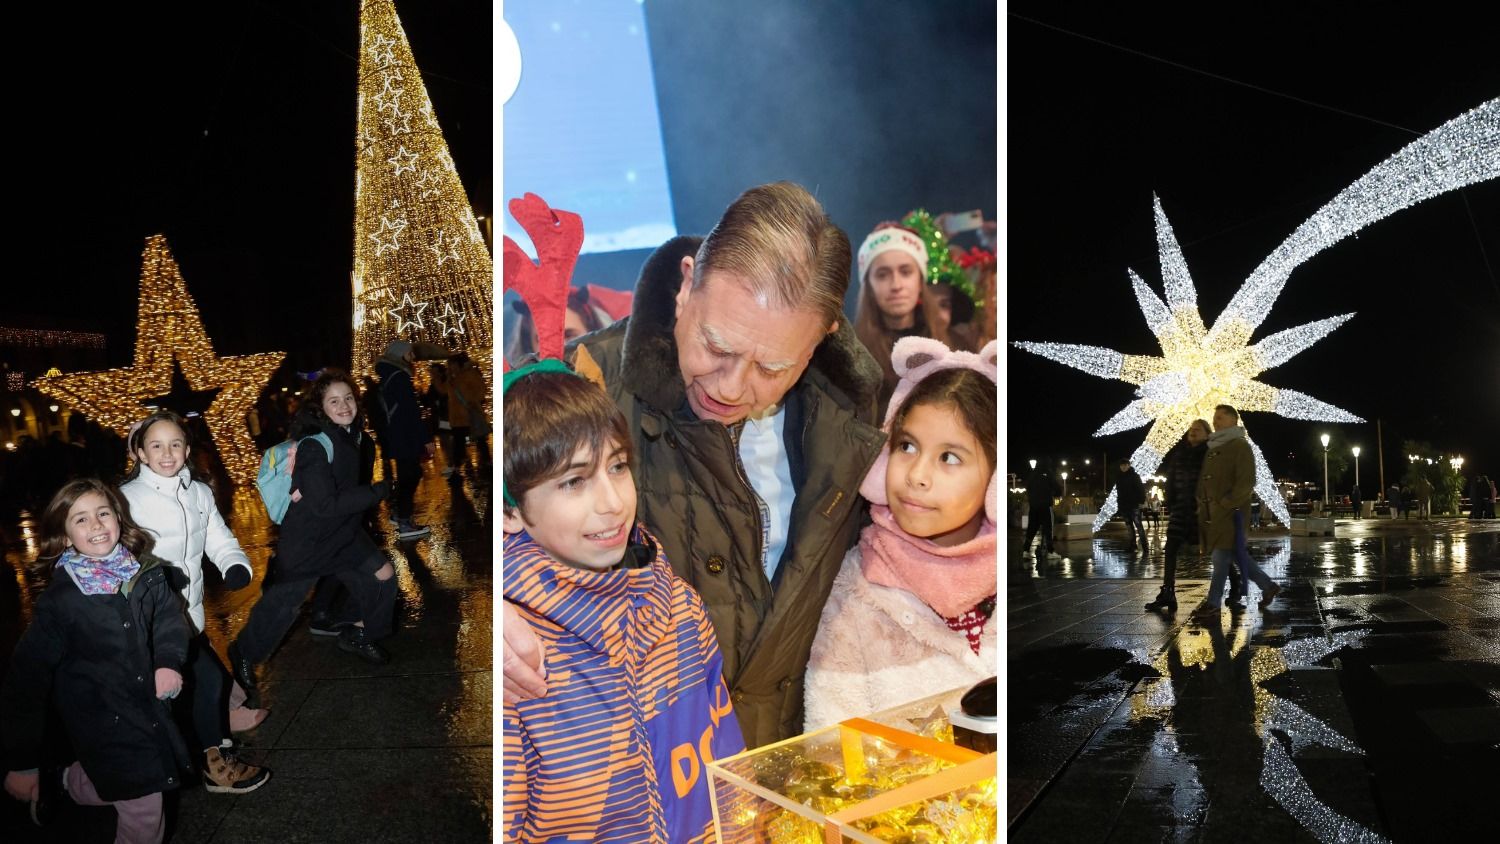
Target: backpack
x,y
275,478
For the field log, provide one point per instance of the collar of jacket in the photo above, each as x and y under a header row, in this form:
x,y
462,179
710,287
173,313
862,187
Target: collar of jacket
x,y
148,562
167,486
649,357
1219,439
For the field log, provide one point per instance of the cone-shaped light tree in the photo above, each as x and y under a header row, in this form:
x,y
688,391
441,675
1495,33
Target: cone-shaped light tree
x,y
422,272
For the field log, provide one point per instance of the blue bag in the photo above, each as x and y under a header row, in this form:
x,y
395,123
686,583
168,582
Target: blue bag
x,y
275,478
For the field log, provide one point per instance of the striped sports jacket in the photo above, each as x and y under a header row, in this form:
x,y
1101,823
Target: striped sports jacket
x,y
636,704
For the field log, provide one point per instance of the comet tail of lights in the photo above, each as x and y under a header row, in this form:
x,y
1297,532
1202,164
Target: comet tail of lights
x,y
422,271
1201,367
169,332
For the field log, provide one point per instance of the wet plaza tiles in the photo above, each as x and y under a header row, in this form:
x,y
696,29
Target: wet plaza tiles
x,y
1363,705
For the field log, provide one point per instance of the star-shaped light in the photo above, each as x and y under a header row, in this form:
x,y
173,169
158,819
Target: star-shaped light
x,y
428,183
444,248
408,306
387,237
1202,367
451,320
382,50
399,123
403,160
170,338
388,97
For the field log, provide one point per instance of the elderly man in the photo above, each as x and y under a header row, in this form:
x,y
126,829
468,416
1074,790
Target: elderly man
x,y
751,406
1224,487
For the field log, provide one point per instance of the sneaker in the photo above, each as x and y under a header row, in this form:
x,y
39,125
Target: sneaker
x,y
1053,555
354,641
225,773
243,671
407,529
324,625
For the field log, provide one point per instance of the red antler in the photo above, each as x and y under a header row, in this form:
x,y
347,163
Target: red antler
x,y
557,236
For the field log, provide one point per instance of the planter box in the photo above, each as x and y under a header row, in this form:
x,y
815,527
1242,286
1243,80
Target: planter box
x,y
1313,526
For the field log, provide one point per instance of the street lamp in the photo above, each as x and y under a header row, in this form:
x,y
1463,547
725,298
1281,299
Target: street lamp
x,y
1065,484
1457,463
1325,468
1033,463
1356,465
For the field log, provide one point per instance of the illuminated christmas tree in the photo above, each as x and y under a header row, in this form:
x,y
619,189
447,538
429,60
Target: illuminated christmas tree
x,y
422,272
171,345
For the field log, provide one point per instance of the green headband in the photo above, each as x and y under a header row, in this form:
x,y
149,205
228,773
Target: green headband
x,y
511,377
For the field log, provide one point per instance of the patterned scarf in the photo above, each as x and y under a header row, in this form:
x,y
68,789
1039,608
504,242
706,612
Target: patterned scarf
x,y
950,580
100,576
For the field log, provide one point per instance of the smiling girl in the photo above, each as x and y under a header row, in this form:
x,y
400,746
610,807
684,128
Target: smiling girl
x,y
910,609
106,647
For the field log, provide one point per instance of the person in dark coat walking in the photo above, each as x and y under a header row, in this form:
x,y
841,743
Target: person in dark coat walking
x,y
1393,500
1356,498
1132,494
1041,491
323,534
106,646
407,440
1184,462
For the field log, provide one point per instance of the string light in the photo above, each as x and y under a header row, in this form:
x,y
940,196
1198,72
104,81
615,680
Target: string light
x,y
1199,369
168,330
34,338
407,187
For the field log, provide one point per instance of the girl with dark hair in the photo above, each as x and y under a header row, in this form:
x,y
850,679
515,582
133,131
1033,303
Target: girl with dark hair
x,y
895,299
323,534
911,607
107,644
170,501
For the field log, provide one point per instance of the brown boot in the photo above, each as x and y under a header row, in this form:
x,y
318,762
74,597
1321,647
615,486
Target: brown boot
x,y
224,773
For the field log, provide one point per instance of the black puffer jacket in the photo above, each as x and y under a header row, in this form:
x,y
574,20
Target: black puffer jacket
x,y
94,657
319,529
1183,462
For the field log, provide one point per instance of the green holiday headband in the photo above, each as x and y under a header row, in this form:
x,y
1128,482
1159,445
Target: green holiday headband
x,y
511,377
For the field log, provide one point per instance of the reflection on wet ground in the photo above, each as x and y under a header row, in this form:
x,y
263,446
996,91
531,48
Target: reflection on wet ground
x,y
401,752
1363,705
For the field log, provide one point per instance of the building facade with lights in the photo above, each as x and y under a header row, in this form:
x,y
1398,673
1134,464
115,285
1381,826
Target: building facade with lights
x,y
28,353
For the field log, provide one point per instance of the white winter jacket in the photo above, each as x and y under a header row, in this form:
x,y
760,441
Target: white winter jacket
x,y
181,516
879,647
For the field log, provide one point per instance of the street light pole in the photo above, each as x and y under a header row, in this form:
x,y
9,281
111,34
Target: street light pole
x,y
1356,465
1325,468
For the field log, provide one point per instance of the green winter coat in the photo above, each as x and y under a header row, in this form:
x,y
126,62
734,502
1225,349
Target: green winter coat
x,y
693,496
1224,486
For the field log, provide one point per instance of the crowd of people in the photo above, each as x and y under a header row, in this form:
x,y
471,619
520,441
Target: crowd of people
x,y
707,523
116,651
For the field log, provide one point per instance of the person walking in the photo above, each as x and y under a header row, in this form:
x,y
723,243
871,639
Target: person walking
x,y
1184,462
1224,488
406,438
1041,491
1393,500
1423,488
1356,499
1132,494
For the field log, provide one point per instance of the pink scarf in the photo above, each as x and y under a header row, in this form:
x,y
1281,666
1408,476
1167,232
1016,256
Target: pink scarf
x,y
950,580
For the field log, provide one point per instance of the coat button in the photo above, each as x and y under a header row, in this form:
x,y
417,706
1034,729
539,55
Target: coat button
x,y
738,696
671,440
715,564
785,683
171,779
127,624
140,679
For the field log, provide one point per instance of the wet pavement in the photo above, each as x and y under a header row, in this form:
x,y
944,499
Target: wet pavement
x,y
401,752
1363,705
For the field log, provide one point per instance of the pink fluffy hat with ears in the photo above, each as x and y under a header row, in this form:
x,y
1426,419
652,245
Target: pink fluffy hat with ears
x,y
915,358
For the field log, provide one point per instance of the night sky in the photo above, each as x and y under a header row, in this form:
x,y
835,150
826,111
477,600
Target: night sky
x,y
1095,129
230,127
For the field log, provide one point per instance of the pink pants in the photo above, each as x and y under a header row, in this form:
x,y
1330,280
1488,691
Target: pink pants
x,y
141,820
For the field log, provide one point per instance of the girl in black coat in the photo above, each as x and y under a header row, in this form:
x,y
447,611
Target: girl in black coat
x,y
323,534
106,646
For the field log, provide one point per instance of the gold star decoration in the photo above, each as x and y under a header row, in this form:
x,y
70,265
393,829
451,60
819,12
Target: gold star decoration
x,y
168,330
404,160
451,320
399,314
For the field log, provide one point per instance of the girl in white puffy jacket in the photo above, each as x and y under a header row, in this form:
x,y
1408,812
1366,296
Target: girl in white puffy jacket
x,y
911,609
179,512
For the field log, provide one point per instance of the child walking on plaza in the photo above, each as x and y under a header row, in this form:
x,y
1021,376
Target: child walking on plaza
x,y
179,512
637,703
323,533
910,611
106,645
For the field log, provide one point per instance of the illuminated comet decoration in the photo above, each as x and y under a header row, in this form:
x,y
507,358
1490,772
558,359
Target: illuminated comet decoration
x,y
1202,367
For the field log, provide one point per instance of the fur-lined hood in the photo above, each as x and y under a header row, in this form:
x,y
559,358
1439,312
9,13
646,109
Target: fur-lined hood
x,y
649,359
